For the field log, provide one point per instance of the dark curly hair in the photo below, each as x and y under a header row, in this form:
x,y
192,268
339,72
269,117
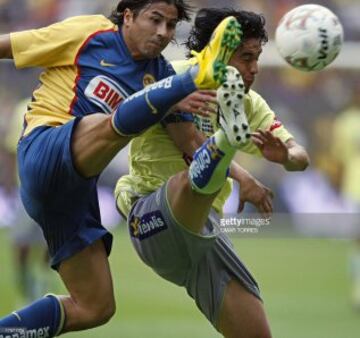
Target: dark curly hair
x,y
206,20
136,6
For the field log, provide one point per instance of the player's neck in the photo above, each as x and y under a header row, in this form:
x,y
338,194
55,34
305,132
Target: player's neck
x,y
133,50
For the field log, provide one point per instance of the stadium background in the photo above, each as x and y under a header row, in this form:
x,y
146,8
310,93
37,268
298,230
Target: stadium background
x,y
303,269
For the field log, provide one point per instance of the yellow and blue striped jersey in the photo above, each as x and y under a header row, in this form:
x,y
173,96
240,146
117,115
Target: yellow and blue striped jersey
x,y
153,156
88,69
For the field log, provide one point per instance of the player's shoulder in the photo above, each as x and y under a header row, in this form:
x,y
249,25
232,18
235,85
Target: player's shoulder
x,y
254,96
89,23
95,19
256,101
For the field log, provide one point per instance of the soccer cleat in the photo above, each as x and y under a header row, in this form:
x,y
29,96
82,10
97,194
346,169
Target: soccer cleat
x,y
231,113
214,57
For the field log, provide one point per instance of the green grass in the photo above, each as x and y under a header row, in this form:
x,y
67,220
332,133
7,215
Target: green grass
x,y
304,284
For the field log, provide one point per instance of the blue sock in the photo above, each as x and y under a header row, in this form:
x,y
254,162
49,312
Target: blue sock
x,y
148,106
43,318
210,167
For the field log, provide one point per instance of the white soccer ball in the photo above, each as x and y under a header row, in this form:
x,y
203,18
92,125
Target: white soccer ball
x,y
309,37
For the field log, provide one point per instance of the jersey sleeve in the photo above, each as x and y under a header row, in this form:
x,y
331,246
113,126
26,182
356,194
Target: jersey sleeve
x,y
57,44
15,126
265,119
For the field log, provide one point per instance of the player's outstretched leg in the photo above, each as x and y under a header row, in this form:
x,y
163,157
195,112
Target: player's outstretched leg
x,y
147,107
210,166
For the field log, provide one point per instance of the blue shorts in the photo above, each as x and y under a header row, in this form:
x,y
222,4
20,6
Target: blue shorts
x,y
61,201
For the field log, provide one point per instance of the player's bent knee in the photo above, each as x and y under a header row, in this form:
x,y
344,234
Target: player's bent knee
x,y
100,315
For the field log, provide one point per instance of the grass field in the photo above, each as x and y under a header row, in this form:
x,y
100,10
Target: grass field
x,y
304,284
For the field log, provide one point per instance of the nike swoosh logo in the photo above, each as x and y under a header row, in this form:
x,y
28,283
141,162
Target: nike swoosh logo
x,y
103,63
150,105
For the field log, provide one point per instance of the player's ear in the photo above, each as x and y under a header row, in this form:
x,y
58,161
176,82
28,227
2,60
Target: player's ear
x,y
128,16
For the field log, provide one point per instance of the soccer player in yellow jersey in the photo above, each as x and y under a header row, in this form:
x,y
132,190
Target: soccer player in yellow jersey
x,y
173,211
91,100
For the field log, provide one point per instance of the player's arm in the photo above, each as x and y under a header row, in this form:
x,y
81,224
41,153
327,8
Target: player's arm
x,y
186,136
289,154
252,190
200,102
298,158
5,47
272,139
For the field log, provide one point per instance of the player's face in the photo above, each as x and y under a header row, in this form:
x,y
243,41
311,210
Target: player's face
x,y
148,33
245,60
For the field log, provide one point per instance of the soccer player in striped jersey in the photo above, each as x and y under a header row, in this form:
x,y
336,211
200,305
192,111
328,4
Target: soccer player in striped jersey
x,y
173,210
104,82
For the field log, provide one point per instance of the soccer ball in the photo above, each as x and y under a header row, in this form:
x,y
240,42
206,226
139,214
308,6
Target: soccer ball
x,y
309,37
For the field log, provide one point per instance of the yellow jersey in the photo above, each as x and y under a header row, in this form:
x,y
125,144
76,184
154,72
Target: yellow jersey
x,y
154,158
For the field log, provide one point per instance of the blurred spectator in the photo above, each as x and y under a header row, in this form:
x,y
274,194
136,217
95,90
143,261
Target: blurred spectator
x,y
346,147
346,152
33,275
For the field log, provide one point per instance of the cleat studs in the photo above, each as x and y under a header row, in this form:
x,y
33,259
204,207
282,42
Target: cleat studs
x,y
228,103
247,136
236,129
245,126
239,96
226,95
233,87
238,138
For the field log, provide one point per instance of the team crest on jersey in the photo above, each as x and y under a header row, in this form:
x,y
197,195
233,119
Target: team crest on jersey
x,y
105,93
148,225
148,80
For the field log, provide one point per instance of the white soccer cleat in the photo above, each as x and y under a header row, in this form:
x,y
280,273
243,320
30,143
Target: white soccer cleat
x,y
232,118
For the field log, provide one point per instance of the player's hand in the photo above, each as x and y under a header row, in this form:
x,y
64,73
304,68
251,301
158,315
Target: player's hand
x,y
270,146
201,102
254,192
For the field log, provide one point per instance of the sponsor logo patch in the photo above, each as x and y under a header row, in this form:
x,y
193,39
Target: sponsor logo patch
x,y
17,332
147,226
105,93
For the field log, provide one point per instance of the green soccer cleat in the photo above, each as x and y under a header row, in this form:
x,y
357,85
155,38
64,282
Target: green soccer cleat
x,y
212,60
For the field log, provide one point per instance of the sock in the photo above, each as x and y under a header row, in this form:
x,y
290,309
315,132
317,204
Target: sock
x,y
210,167
148,106
43,318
